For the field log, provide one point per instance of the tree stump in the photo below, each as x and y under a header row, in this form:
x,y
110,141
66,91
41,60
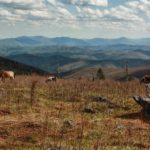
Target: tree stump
x,y
145,103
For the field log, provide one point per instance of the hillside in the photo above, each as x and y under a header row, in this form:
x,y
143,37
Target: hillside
x,y
19,68
110,73
72,58
48,62
66,55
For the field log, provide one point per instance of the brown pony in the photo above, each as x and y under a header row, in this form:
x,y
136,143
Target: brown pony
x,y
51,78
145,79
7,75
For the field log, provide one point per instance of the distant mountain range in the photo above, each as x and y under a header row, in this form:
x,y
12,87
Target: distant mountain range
x,y
67,55
66,41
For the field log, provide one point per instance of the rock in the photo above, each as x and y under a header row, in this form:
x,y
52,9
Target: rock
x,y
68,124
89,109
111,105
102,99
144,102
99,99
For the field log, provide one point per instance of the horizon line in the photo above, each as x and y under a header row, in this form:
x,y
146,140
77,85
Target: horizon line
x,y
119,37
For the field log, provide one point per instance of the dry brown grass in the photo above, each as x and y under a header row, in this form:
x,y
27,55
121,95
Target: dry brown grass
x,y
36,115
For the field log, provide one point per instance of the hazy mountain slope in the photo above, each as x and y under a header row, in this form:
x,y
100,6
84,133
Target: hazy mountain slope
x,y
47,63
68,61
19,68
71,58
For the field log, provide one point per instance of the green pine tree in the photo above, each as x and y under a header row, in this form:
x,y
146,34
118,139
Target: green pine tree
x,y
100,75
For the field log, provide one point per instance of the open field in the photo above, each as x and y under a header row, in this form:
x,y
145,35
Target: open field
x,y
39,116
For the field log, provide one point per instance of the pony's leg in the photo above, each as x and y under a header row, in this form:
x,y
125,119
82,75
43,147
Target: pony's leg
x,y
11,78
3,79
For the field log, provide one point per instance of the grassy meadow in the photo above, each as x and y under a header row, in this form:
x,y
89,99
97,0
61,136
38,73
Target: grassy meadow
x,y
63,115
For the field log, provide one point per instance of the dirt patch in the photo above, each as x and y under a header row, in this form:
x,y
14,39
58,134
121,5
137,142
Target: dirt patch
x,y
3,133
27,132
26,138
30,125
4,111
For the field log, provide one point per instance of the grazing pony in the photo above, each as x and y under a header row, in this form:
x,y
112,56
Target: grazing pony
x,y
7,75
145,79
51,78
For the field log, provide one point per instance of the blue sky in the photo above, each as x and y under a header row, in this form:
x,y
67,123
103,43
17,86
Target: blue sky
x,y
75,18
117,2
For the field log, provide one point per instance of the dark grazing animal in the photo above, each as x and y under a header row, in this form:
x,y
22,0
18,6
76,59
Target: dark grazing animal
x,y
7,75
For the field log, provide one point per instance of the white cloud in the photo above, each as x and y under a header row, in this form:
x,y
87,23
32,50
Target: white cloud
x,y
99,2
127,16
6,15
22,4
20,10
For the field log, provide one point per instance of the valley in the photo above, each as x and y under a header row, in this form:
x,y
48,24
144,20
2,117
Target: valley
x,y
66,55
